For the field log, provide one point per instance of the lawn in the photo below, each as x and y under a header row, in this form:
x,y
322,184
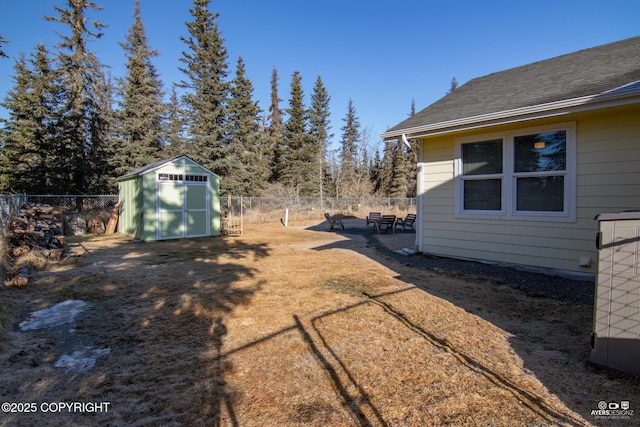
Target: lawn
x,y
296,326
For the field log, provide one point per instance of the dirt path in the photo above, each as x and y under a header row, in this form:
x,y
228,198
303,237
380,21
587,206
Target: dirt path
x,y
297,326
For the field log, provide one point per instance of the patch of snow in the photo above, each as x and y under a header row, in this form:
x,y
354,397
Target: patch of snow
x,y
406,251
56,315
80,361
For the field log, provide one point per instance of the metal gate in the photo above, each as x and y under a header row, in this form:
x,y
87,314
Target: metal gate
x,y
231,221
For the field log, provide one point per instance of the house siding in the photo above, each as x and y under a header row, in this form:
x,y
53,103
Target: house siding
x,y
607,180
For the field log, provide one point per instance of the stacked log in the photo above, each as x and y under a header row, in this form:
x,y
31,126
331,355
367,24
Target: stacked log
x,y
37,227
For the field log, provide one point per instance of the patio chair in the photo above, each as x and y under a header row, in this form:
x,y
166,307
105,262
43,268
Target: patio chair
x,y
386,223
405,222
333,221
373,218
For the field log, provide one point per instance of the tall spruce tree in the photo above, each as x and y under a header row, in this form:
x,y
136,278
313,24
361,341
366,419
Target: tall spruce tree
x,y
296,159
246,173
207,90
398,186
20,158
30,136
375,172
141,114
453,85
349,152
84,125
176,143
319,128
3,41
274,129
101,124
385,176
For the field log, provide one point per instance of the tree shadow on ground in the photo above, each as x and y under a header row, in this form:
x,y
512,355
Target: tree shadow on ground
x,y
150,304
549,324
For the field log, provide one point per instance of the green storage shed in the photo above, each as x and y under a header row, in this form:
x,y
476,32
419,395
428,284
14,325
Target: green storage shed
x,y
170,199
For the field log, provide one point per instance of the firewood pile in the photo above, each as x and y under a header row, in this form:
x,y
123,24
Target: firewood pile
x,y
37,227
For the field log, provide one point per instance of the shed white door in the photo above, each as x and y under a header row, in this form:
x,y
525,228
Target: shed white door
x,y
183,209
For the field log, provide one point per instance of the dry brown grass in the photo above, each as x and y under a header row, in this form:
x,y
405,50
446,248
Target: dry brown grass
x,y
298,326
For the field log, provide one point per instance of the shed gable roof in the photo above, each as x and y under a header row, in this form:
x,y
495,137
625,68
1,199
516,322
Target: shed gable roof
x,y
612,68
155,165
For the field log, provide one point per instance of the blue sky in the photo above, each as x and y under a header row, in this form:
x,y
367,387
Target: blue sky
x,y
380,54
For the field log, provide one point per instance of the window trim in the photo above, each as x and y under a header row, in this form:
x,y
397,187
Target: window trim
x,y
509,177
192,179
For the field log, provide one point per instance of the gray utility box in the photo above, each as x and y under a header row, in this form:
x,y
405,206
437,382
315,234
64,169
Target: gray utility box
x,y
616,320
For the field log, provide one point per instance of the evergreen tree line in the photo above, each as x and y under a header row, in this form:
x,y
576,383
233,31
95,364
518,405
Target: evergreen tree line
x,y
72,130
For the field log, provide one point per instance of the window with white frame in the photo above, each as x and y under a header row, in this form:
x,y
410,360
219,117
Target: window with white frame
x,y
522,174
180,177
170,177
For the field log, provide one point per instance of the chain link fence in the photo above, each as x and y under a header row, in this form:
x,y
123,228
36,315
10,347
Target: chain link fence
x,y
83,213
89,211
77,203
9,205
249,209
270,209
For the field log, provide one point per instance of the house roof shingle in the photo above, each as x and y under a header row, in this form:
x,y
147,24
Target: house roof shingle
x,y
588,72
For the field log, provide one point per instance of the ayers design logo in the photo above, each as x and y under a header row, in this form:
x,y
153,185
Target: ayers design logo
x,y
615,410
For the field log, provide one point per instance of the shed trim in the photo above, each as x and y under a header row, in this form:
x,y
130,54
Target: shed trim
x,y
157,165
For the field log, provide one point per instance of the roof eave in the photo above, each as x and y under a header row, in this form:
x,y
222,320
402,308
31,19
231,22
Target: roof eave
x,y
157,165
551,109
